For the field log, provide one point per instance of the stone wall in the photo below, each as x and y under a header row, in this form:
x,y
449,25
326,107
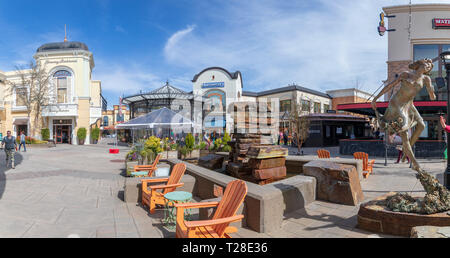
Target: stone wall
x,y
268,203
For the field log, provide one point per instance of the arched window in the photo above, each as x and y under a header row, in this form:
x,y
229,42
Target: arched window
x,y
63,83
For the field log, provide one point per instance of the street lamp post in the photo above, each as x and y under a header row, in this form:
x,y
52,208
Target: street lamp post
x,y
445,57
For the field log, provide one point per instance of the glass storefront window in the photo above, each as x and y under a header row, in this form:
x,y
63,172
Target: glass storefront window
x,y
431,52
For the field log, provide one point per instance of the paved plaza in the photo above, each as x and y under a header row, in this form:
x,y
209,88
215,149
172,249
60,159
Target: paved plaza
x,y
76,191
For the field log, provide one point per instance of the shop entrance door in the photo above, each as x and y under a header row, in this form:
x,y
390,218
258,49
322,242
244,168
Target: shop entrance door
x,y
62,133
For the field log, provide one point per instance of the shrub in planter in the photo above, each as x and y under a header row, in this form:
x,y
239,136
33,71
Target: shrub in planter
x,y
202,145
184,151
226,148
45,133
81,135
217,144
95,134
226,138
190,142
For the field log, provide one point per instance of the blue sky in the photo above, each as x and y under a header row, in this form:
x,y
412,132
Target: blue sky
x,y
138,45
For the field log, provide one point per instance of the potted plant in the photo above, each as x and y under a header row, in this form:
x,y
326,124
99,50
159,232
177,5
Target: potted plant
x,y
81,135
183,152
95,135
153,147
203,149
45,133
131,160
190,144
172,153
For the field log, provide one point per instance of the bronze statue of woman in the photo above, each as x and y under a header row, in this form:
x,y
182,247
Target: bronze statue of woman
x,y
401,115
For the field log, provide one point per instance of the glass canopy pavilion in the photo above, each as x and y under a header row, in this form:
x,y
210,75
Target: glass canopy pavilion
x,y
166,96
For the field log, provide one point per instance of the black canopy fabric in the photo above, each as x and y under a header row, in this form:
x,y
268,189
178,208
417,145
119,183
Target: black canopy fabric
x,y
162,117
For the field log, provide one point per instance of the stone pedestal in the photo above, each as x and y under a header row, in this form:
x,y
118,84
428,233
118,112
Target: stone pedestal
x,y
374,216
335,182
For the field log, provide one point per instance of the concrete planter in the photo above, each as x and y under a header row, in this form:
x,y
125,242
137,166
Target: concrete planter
x,y
203,153
169,154
194,154
130,166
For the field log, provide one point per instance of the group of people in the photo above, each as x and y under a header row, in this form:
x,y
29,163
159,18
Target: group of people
x,y
286,138
9,144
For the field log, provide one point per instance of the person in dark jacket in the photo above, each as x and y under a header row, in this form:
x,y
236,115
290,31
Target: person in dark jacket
x,y
10,147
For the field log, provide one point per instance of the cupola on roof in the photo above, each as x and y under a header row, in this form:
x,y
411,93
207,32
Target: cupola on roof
x,y
62,46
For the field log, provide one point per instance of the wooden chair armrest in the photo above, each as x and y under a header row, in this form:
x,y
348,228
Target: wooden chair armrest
x,y
204,223
196,205
372,162
143,167
155,180
156,187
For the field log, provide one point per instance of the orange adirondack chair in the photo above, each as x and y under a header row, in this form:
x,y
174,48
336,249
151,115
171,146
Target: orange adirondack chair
x,y
323,154
150,168
217,227
151,197
367,165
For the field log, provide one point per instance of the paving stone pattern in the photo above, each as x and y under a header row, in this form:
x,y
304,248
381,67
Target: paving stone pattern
x,y
76,191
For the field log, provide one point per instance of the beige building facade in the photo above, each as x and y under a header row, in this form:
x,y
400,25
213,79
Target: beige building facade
x,y
75,99
418,32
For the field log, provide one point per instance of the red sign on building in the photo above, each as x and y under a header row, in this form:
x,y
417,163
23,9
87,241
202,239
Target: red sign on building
x,y
439,23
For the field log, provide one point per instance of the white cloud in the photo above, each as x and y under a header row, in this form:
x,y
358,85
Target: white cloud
x,y
322,45
170,49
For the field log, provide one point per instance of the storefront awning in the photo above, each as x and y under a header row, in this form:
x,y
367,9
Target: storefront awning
x,y
20,121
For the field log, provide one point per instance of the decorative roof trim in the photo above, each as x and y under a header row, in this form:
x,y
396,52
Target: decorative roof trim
x,y
233,76
416,8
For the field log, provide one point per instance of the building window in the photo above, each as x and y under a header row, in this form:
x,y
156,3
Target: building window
x,y
285,105
316,107
21,97
63,82
306,105
105,121
326,107
431,51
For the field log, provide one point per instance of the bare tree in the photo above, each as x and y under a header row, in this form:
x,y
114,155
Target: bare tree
x,y
299,120
33,90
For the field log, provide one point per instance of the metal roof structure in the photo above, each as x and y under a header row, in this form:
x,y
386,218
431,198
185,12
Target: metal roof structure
x,y
165,92
61,46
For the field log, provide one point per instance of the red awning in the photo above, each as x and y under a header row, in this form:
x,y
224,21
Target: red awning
x,y
424,107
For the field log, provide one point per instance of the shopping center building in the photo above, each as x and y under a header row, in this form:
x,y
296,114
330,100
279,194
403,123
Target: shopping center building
x,y
75,98
217,92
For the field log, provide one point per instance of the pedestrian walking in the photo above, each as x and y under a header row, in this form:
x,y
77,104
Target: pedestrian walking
x,y
22,141
10,147
399,146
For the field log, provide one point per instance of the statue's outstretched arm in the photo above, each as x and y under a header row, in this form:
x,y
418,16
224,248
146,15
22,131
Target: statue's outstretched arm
x,y
430,88
388,88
